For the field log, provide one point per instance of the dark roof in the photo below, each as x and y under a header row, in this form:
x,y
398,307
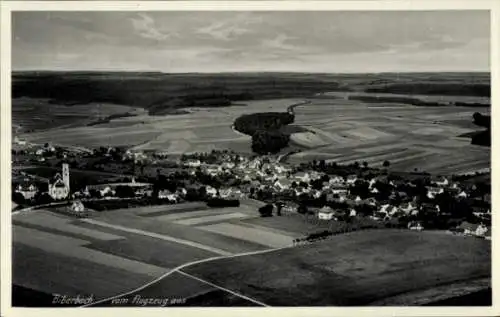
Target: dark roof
x,y
468,226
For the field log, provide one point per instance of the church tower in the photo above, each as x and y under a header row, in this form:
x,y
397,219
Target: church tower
x,y
65,175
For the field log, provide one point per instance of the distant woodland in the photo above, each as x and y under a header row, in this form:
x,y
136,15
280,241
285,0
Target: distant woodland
x,y
162,93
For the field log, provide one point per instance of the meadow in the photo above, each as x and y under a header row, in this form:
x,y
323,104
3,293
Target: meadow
x,y
352,269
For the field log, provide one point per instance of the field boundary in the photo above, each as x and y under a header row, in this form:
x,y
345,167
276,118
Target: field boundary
x,y
185,265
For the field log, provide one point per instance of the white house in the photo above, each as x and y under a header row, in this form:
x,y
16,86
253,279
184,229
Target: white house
x,y
339,190
162,194
462,194
442,181
228,165
302,177
351,179
352,213
432,192
282,184
415,225
374,190
372,182
481,230
326,213
77,206
336,180
27,190
212,192
316,193
107,191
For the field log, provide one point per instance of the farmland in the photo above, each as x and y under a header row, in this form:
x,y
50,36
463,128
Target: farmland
x,y
341,123
352,269
407,136
118,251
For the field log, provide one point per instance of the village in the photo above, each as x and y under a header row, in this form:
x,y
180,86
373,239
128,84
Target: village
x,y
327,191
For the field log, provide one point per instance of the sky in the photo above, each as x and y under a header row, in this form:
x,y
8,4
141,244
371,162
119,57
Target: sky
x,y
241,41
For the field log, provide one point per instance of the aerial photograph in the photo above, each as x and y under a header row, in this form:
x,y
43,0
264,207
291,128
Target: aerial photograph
x,y
251,158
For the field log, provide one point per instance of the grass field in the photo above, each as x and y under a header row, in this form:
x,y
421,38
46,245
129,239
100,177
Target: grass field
x,y
352,269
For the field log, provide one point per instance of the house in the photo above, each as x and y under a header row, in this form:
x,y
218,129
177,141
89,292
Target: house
x,y
162,194
336,180
211,192
28,190
358,200
228,165
374,190
481,230
487,235
326,213
351,179
314,175
441,181
407,207
371,201
181,192
338,189
467,228
173,198
316,193
415,225
302,177
77,206
107,191
290,207
255,164
193,163
432,192
282,184
352,212
372,182
462,194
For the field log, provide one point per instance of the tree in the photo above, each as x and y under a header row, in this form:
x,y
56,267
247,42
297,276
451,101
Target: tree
x,y
264,142
124,192
365,164
266,211
386,164
302,209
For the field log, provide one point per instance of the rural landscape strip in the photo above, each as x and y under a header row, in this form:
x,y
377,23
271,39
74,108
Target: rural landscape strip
x,y
185,265
223,288
158,236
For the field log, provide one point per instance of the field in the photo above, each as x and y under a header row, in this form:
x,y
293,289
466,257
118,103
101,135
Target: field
x,y
36,114
409,137
202,129
353,269
120,250
116,252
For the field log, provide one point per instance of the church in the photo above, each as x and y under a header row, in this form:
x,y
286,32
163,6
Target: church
x,y
59,186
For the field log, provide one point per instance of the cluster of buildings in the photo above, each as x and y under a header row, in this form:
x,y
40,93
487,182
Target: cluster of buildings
x,y
262,174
